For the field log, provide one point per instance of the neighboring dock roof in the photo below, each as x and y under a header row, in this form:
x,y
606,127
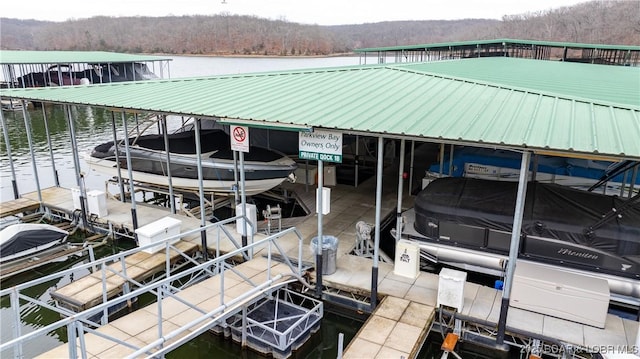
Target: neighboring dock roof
x,y
620,55
499,42
18,57
550,107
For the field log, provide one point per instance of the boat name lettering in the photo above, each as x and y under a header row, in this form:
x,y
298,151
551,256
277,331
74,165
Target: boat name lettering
x,y
473,168
569,252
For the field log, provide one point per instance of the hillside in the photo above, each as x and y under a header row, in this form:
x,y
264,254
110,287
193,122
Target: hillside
x,y
610,22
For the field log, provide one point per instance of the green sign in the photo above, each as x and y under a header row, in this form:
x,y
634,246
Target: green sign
x,y
327,157
320,145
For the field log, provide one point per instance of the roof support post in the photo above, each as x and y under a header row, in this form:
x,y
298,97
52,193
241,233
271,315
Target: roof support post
x,y
357,161
634,176
27,128
203,234
243,201
400,190
515,245
413,154
134,214
236,186
117,155
5,132
53,162
165,135
376,248
319,209
76,163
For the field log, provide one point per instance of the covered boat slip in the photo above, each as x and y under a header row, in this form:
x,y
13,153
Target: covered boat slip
x,y
561,225
540,50
559,108
149,154
57,68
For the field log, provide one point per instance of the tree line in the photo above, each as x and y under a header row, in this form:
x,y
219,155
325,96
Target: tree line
x,y
598,21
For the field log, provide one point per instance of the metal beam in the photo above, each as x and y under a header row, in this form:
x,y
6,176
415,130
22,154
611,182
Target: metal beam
x,y
515,245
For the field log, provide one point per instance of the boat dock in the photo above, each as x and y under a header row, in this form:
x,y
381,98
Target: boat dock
x,y
403,330
141,327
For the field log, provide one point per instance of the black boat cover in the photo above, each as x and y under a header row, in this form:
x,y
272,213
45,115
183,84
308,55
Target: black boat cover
x,y
21,237
552,214
216,141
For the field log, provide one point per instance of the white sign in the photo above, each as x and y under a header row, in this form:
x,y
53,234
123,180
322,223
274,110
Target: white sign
x,y
320,145
239,138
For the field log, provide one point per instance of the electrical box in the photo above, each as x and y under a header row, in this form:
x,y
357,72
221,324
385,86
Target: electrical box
x,y
97,203
309,175
451,288
306,174
252,215
157,232
326,200
407,262
329,177
75,196
552,291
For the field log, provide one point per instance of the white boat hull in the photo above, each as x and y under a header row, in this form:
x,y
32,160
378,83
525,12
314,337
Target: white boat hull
x,y
219,187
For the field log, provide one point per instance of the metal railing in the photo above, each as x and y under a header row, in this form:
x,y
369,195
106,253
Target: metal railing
x,y
80,324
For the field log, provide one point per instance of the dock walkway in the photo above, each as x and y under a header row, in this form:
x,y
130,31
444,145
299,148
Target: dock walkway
x,y
89,290
396,329
141,328
20,205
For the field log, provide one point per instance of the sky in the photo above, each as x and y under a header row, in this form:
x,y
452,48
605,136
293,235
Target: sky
x,y
326,12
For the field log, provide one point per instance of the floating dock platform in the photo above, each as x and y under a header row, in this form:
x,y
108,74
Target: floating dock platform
x,y
396,329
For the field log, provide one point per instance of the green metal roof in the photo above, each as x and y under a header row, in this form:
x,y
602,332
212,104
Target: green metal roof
x,y
601,83
11,57
446,45
444,104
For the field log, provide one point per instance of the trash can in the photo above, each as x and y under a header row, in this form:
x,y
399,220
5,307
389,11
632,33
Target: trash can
x,y
329,251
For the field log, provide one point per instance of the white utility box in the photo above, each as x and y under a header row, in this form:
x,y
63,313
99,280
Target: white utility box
x,y
326,200
252,215
311,177
306,174
75,196
97,203
407,263
158,231
552,291
329,177
451,288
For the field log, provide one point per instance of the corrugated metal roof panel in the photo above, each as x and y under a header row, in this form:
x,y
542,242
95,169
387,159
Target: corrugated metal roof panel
x,y
396,100
617,84
15,57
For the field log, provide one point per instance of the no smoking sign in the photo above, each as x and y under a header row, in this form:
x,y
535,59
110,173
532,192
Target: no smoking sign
x,y
239,138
